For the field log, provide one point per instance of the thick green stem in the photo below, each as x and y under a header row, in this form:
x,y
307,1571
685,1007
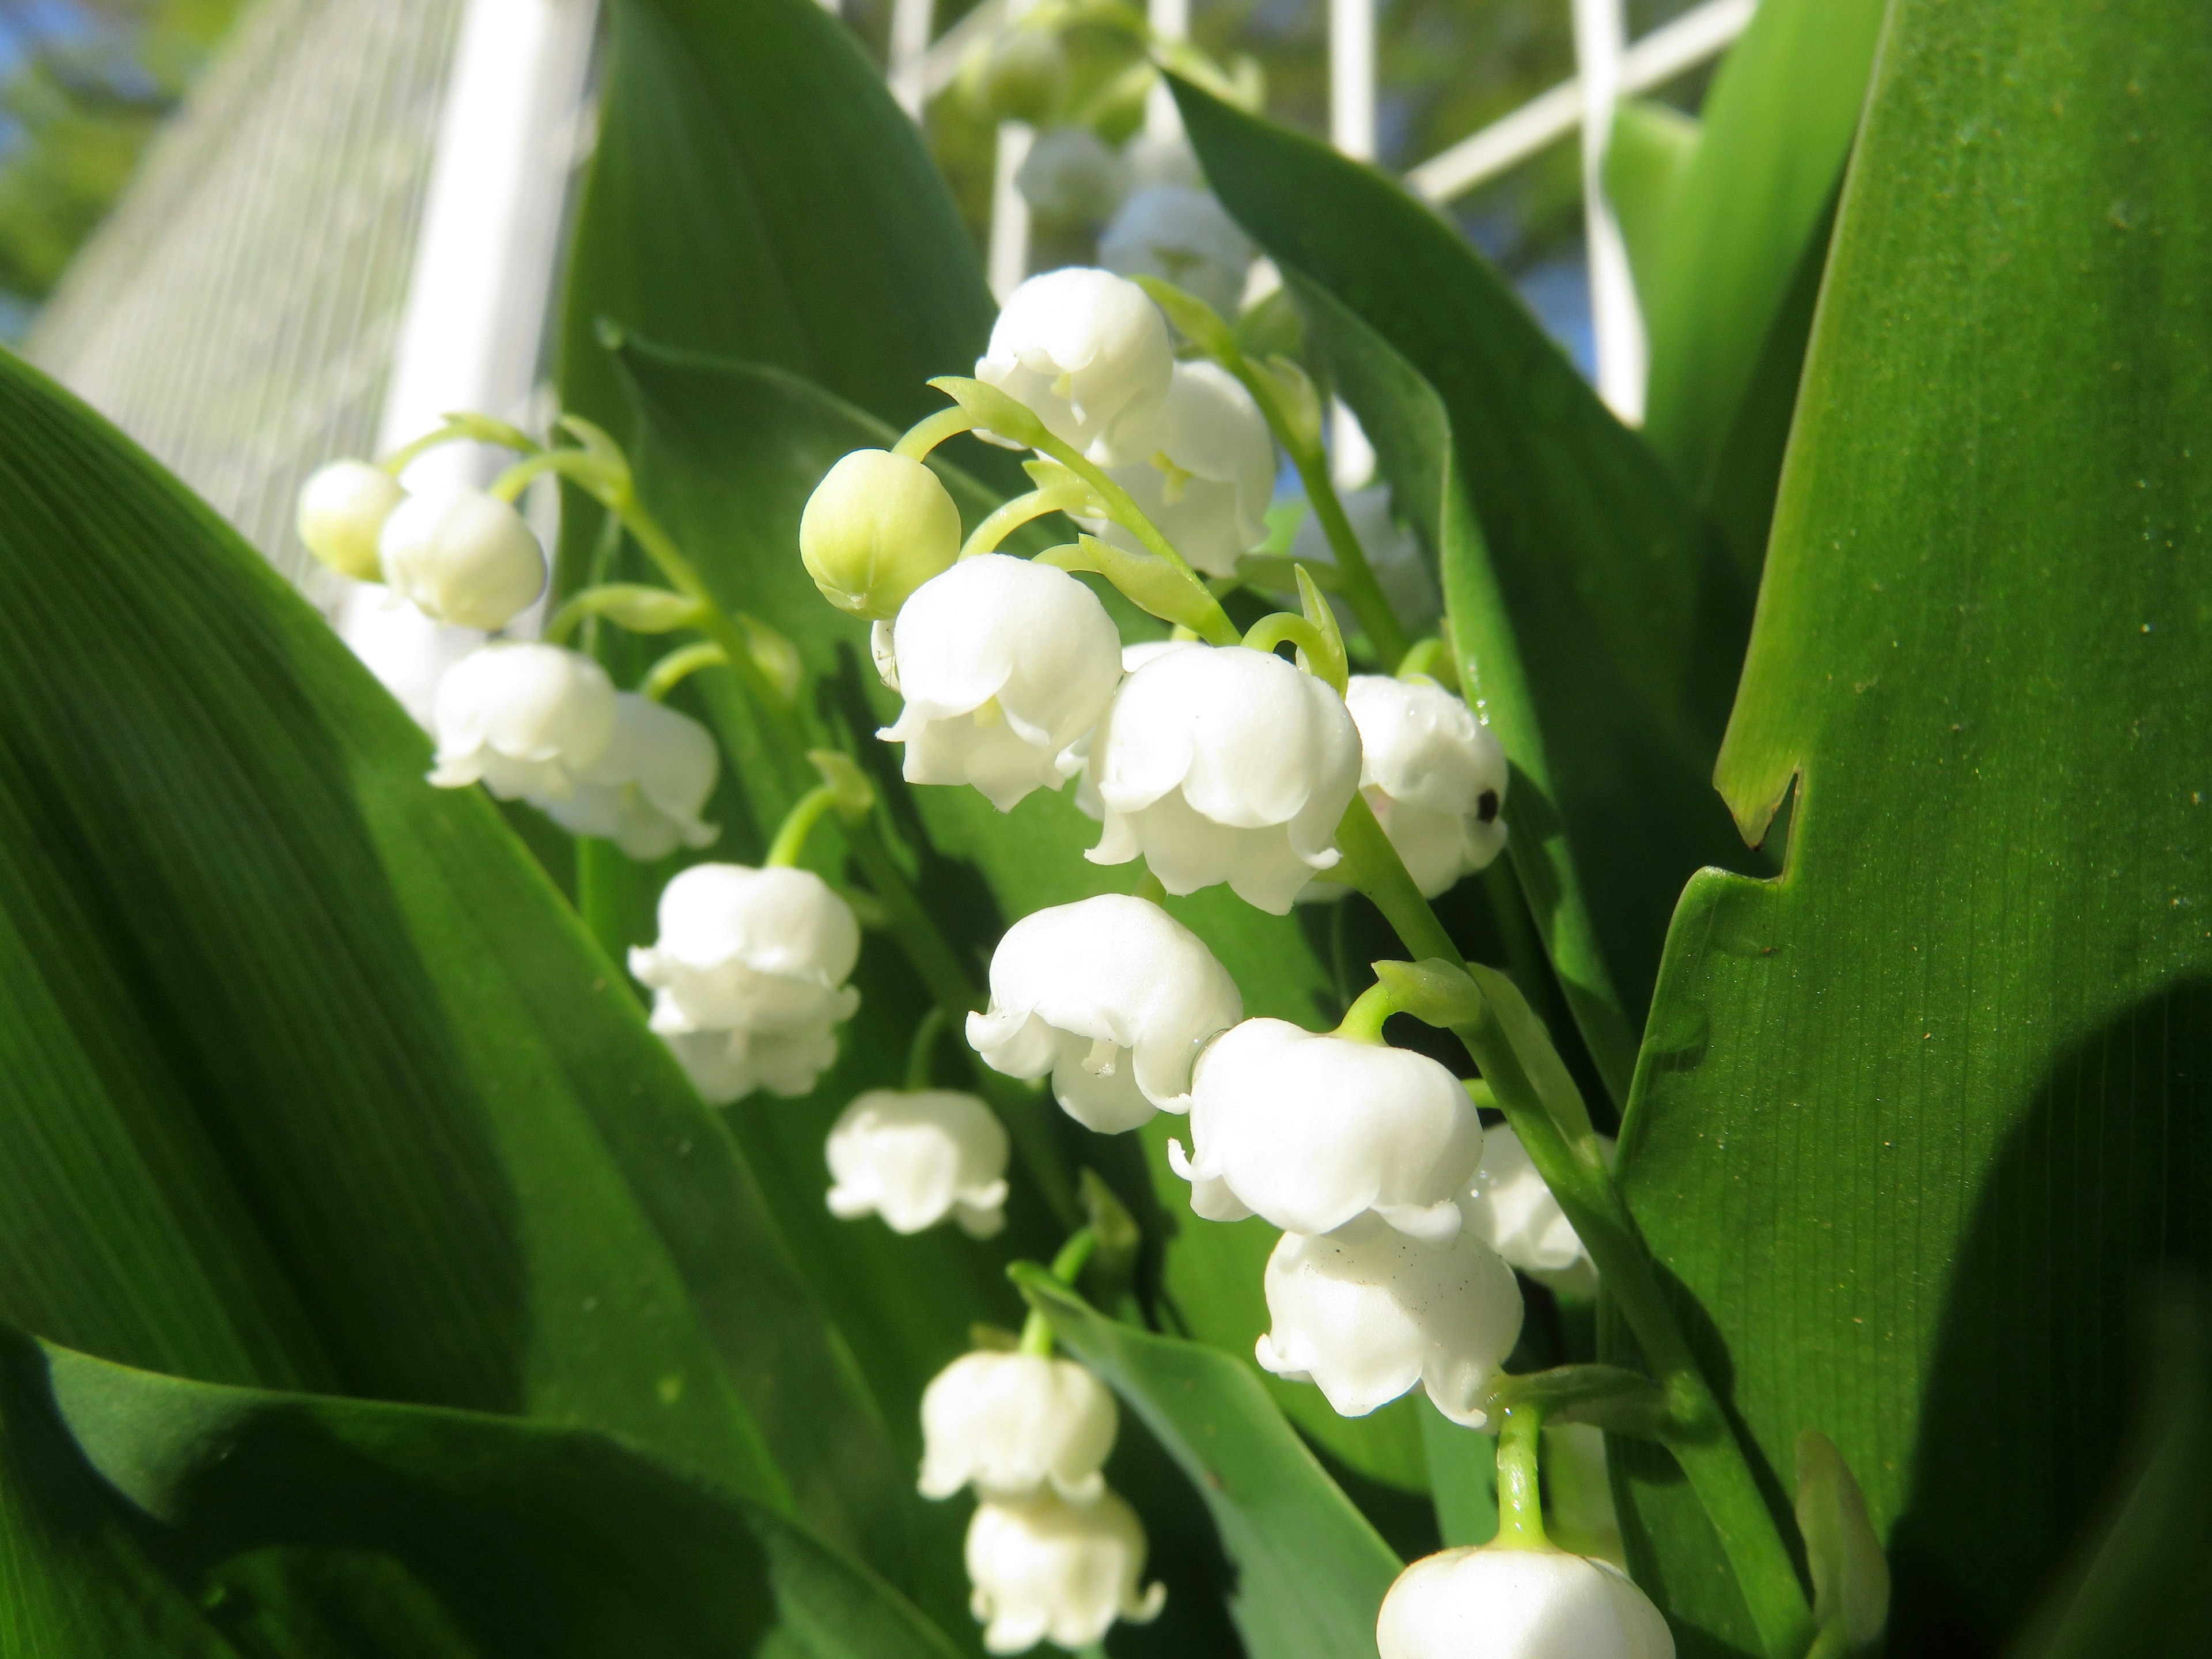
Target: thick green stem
x,y
1557,1136
1519,1492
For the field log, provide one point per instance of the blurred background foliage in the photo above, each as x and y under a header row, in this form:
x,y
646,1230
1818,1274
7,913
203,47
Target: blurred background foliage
x,y
84,84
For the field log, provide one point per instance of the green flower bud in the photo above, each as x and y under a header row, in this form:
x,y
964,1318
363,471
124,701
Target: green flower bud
x,y
878,527
343,509
1020,76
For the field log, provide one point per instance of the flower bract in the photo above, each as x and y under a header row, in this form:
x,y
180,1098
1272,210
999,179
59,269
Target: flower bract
x,y
1111,995
1044,1569
1013,1424
1310,1132
1492,1603
1003,665
462,555
1367,1313
915,1157
522,719
644,792
1225,765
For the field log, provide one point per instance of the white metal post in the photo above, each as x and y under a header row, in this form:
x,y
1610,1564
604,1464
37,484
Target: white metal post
x,y
1170,21
1007,259
911,21
476,302
1352,130
1601,40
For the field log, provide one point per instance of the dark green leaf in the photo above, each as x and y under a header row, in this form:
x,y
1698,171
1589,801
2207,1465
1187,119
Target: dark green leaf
x,y
169,1501
1751,209
1311,1571
1603,621
1912,1120
308,1078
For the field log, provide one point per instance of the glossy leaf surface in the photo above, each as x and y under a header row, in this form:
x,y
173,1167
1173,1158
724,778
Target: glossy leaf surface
x,y
1311,1571
308,1077
1914,1121
179,1517
1610,599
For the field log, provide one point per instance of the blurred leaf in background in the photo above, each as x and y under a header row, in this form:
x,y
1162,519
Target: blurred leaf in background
x,y
84,84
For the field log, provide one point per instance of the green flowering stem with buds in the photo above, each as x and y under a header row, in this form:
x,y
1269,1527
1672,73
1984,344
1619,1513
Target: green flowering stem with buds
x,y
1292,408
679,664
1520,1492
1067,1267
1508,1043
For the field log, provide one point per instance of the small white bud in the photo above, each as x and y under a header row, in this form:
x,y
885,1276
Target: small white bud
x,y
462,555
409,652
1310,1132
1182,235
1161,159
1003,664
1087,352
1393,553
917,1157
342,507
1070,174
1226,764
522,719
748,975
1011,1424
1210,473
1512,1210
877,526
1114,997
1367,1313
645,793
1498,1603
1044,1569
1435,775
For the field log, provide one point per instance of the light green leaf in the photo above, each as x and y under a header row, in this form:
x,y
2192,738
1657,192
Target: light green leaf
x,y
1651,151
1751,208
308,1078
727,455
1913,1121
1311,1572
168,1511
1592,596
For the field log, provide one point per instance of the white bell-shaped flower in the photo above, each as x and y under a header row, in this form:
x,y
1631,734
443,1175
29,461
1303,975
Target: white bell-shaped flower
x,y
1045,1570
409,652
1311,1132
1367,1313
917,1157
1393,553
1494,1602
342,507
524,719
1114,997
645,793
1072,175
463,556
1003,664
1512,1210
1183,235
1207,478
1435,775
749,977
1011,1424
1226,764
1087,352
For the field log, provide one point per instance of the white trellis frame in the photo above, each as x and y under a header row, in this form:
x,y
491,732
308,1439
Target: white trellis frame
x,y
1608,66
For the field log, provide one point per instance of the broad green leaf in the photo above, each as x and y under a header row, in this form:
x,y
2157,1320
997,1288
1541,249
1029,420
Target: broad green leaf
x,y
1650,150
181,1506
727,455
1752,205
1913,1120
1609,611
1311,1572
308,1077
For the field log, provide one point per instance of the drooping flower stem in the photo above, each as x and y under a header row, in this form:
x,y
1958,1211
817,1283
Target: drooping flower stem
x,y
1067,1267
1520,1494
923,1050
1546,1112
1023,509
679,664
